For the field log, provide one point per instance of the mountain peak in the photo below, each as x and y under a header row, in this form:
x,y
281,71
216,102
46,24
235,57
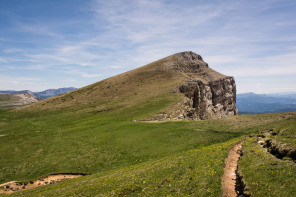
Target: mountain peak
x,y
188,62
189,55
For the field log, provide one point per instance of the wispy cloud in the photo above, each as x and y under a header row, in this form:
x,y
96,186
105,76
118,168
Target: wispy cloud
x,y
3,60
37,29
11,82
235,37
84,74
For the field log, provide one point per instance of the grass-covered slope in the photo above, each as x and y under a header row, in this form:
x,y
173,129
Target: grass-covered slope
x,y
264,174
61,142
195,172
65,142
271,170
128,89
90,131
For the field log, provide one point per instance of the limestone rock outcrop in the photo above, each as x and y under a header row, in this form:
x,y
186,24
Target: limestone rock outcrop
x,y
215,99
206,93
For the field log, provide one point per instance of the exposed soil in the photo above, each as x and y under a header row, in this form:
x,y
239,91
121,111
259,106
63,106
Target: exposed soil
x,y
14,186
229,178
280,151
277,149
2,135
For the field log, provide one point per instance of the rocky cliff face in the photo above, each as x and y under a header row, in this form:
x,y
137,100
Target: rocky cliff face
x,y
206,93
215,99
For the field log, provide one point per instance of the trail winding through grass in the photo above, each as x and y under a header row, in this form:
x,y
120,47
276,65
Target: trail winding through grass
x,y
229,177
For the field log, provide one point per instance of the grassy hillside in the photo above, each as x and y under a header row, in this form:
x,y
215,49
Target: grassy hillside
x,y
271,171
90,131
186,173
126,158
127,89
264,174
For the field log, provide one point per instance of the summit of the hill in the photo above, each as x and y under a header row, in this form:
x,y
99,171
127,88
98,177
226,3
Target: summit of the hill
x,y
190,61
187,60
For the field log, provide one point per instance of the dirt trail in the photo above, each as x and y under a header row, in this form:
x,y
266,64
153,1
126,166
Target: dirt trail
x,y
14,186
229,176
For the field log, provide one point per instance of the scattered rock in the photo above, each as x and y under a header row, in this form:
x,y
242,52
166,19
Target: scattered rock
x,y
261,142
104,109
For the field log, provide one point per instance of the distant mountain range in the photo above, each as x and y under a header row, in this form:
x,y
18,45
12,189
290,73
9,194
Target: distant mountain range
x,y
251,103
43,94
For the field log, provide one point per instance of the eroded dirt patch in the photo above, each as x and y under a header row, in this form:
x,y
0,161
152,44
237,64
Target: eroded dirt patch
x,y
279,150
229,178
14,186
275,148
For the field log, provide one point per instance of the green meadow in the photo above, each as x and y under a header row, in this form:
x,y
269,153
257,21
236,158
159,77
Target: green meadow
x,y
34,145
93,131
124,157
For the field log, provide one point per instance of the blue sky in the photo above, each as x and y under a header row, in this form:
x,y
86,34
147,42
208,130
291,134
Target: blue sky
x,y
63,43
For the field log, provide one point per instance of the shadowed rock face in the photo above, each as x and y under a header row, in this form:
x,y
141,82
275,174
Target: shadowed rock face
x,y
215,99
207,97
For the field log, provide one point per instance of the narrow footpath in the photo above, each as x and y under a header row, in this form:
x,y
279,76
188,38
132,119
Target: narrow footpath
x,y
229,177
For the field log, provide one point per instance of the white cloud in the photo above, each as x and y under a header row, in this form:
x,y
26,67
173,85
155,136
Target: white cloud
x,y
243,66
13,50
36,28
236,38
85,74
3,60
16,83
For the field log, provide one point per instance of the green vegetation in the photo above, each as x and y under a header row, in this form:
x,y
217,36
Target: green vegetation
x,y
90,131
37,145
264,174
195,172
285,133
109,146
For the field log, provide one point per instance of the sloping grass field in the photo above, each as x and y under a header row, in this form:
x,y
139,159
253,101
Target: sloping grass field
x,y
195,172
264,174
37,144
123,157
92,131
